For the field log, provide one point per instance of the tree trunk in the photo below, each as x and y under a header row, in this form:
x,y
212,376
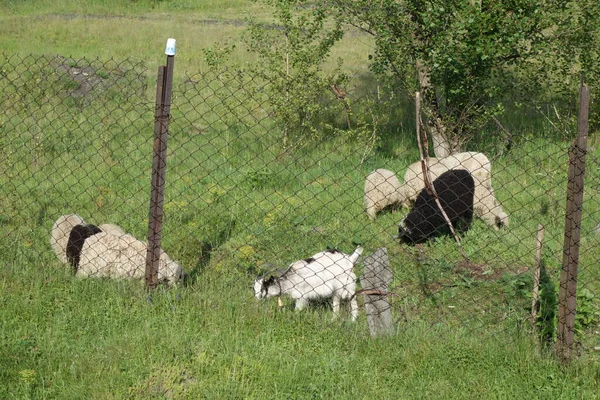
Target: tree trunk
x,y
441,145
444,144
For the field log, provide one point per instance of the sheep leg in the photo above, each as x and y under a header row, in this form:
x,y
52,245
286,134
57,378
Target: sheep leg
x,y
336,306
354,307
371,212
301,304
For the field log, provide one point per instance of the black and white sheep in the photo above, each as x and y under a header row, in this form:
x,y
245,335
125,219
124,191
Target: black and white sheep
x,y
383,189
106,251
327,274
455,190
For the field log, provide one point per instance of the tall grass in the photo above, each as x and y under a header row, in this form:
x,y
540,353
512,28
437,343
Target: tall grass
x,y
103,339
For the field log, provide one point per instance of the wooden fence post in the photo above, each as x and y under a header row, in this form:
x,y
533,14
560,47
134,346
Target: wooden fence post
x,y
375,282
162,109
568,279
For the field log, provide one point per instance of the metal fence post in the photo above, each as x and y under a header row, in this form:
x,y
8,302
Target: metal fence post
x,y
536,276
568,279
159,162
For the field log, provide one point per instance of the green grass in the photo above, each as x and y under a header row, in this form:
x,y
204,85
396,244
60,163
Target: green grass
x,y
140,8
102,339
236,204
104,29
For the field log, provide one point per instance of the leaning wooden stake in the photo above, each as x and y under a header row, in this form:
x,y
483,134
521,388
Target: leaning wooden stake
x,y
423,148
567,294
536,276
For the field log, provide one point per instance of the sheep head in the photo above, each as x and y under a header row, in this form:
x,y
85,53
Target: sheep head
x,y
266,287
406,234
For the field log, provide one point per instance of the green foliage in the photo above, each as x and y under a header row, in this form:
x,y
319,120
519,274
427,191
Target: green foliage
x,y
586,317
570,52
308,101
588,312
548,308
289,68
478,56
291,55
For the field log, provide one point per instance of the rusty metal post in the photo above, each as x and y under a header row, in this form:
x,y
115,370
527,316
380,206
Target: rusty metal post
x,y
162,109
536,276
568,279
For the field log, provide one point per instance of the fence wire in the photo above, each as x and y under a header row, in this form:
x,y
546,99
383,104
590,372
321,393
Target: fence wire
x,y
247,196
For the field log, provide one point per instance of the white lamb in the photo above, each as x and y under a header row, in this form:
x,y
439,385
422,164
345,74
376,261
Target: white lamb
x,y
382,190
327,274
106,251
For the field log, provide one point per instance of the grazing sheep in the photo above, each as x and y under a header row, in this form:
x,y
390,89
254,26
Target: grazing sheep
x,y
382,190
324,275
485,204
455,190
106,251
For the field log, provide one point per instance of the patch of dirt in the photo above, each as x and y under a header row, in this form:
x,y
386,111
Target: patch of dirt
x,y
72,16
92,77
483,272
86,78
480,272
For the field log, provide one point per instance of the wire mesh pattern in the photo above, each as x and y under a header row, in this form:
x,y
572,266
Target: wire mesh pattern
x,y
240,197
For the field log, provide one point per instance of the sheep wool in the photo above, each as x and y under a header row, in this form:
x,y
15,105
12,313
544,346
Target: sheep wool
x,y
455,190
106,251
382,190
485,204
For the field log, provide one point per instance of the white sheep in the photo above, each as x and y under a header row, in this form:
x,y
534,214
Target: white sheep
x,y
382,190
106,251
327,274
486,206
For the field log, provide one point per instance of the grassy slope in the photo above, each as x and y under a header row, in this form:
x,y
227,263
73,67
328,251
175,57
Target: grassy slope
x,y
63,338
138,30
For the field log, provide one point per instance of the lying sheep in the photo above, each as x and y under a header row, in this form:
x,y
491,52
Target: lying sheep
x,y
324,275
106,251
455,190
393,193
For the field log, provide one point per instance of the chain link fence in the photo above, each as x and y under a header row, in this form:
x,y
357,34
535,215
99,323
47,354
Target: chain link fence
x,y
247,197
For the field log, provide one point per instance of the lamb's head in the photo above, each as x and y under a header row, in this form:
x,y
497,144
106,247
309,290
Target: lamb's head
x,y
169,271
266,286
61,230
405,233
